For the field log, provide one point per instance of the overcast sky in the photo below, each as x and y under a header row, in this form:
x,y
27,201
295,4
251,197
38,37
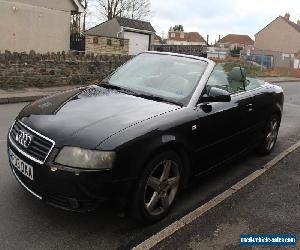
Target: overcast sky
x,y
216,17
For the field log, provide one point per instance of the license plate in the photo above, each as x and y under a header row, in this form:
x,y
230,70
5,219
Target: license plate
x,y
20,165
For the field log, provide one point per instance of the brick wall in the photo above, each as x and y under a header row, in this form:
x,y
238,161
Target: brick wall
x,y
101,45
18,70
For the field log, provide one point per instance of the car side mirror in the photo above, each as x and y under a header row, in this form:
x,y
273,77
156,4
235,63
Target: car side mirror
x,y
216,95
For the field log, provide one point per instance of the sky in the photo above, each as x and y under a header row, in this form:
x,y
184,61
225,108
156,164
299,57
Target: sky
x,y
215,17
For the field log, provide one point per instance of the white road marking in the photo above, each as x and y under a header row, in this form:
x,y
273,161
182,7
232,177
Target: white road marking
x,y
198,212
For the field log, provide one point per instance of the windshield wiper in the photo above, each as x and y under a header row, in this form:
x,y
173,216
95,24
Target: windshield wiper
x,y
159,99
106,84
118,88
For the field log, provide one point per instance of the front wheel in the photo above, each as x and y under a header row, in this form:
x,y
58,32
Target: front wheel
x,y
158,187
271,135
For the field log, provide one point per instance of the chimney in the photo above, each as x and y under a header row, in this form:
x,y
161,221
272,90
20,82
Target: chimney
x,y
298,22
207,39
219,37
287,16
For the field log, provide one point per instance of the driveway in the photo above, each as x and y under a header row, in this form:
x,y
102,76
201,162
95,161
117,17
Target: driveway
x,y
27,223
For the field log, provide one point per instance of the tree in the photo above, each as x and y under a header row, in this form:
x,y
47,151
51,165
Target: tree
x,y
178,28
111,8
76,24
134,9
85,5
235,52
139,9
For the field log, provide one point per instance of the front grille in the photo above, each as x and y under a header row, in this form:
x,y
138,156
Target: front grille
x,y
40,146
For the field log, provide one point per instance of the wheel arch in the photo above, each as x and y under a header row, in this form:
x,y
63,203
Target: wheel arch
x,y
180,150
277,111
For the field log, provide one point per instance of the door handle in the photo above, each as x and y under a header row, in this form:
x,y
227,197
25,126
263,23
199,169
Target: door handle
x,y
250,107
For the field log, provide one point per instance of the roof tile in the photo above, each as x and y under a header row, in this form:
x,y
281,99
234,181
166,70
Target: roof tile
x,y
296,26
188,37
135,24
234,38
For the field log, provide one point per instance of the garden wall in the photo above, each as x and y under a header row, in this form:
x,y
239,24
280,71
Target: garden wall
x,y
19,70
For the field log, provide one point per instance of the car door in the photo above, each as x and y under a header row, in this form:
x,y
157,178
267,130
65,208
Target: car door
x,y
261,108
222,126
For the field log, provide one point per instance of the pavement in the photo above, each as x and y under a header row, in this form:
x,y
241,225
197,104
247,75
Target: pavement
x,y
29,94
280,79
32,94
26,223
268,205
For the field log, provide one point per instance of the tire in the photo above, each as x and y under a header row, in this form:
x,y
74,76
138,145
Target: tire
x,y
270,135
157,188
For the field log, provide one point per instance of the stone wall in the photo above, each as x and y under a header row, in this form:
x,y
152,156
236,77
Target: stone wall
x,y
100,45
195,50
18,70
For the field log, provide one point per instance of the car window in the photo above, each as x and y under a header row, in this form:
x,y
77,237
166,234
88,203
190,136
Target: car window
x,y
170,77
253,83
227,77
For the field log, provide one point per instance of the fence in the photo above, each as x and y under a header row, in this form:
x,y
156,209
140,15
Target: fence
x,y
265,61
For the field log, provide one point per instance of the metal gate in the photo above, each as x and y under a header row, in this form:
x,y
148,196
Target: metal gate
x,y
77,42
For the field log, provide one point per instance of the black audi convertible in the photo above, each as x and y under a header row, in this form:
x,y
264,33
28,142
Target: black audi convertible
x,y
141,135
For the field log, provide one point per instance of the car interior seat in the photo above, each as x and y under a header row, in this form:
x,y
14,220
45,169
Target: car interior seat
x,y
237,78
176,84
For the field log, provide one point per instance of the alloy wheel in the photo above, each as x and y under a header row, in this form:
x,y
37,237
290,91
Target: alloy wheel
x,y
161,187
272,134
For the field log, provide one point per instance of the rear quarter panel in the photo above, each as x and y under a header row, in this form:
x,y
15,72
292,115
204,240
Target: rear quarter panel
x,y
267,101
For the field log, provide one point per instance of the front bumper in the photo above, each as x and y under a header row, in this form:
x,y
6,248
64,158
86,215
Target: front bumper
x,y
77,191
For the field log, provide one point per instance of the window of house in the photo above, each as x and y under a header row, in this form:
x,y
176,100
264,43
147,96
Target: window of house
x,y
181,35
122,43
95,40
109,42
173,35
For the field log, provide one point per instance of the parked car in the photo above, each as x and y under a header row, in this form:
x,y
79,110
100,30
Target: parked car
x,y
141,134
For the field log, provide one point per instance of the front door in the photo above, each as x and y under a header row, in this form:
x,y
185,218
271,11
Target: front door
x,y
261,108
222,128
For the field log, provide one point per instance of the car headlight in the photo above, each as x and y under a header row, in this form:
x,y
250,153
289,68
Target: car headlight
x,y
85,158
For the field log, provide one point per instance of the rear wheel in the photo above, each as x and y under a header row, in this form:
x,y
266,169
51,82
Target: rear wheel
x,y
158,187
271,135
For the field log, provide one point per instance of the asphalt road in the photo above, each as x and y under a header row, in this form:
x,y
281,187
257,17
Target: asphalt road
x,y
26,223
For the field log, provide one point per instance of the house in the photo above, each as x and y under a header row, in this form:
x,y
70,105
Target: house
x,y
43,26
139,33
279,43
280,35
233,41
185,38
157,40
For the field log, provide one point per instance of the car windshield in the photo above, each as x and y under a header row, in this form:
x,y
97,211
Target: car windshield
x,y
161,77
